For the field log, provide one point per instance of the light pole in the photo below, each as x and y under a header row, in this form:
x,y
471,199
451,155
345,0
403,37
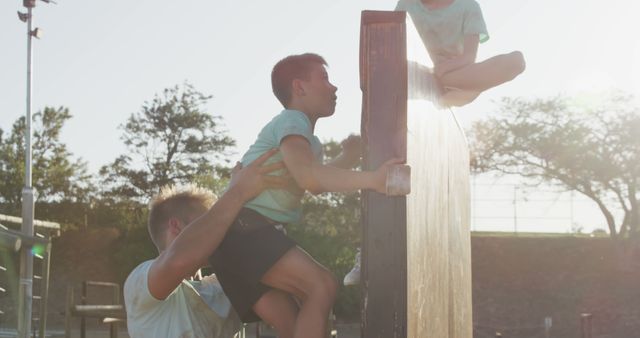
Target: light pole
x,y
25,288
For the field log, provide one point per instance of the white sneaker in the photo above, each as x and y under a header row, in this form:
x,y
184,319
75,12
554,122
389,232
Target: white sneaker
x,y
353,277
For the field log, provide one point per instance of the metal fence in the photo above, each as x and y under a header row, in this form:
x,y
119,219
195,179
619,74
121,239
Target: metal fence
x,y
507,204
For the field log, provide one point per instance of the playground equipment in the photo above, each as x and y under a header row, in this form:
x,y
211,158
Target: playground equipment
x,y
416,267
259,328
110,314
14,244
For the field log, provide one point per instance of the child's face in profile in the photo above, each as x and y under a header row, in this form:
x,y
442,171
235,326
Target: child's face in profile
x,y
319,94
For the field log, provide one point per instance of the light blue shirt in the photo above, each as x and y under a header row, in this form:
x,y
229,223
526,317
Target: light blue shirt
x,y
278,204
442,30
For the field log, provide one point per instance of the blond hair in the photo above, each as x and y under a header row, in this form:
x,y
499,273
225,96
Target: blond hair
x,y
182,202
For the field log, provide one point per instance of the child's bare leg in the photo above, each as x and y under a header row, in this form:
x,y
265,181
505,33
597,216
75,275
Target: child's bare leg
x,y
478,77
279,310
457,98
300,275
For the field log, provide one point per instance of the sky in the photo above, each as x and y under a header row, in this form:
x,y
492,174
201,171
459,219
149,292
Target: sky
x,y
104,59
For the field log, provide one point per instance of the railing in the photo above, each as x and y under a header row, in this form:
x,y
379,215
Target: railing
x,y
111,314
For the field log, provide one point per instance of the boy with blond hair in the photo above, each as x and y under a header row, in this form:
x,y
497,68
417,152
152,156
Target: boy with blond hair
x,y
166,296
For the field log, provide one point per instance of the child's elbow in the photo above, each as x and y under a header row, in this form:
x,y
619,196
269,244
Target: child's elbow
x,y
311,185
315,191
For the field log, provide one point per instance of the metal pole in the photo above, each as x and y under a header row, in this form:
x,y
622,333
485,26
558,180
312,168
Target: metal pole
x,y
515,209
548,322
83,301
25,291
571,210
586,327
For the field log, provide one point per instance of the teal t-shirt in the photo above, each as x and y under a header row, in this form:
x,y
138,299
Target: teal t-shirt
x,y
442,30
278,204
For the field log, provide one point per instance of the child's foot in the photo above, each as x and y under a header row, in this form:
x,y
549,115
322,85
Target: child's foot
x,y
454,97
353,277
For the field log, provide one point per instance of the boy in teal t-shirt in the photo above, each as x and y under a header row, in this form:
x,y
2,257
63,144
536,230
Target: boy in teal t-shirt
x,y
451,31
282,205
262,271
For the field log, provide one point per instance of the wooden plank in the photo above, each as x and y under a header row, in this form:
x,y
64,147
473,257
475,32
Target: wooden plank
x,y
427,215
461,323
427,218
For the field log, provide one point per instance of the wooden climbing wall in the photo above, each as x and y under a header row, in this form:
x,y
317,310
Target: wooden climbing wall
x,y
416,267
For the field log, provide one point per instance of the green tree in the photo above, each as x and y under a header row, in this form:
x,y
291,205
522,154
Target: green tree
x,y
595,151
172,140
57,176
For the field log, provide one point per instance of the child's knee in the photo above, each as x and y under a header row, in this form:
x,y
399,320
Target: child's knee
x,y
327,284
332,286
518,64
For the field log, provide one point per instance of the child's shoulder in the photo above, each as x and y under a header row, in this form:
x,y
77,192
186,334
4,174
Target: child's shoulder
x,y
292,113
292,116
283,116
288,122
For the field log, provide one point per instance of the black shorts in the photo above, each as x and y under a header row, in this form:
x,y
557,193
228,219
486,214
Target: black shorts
x,y
251,247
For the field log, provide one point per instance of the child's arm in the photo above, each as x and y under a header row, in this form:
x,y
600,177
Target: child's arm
x,y
191,249
316,177
469,53
350,155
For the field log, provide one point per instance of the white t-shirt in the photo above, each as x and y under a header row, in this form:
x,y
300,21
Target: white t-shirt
x,y
193,310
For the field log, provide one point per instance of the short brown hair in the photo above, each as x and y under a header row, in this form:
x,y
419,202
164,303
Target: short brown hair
x,y
183,203
290,68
